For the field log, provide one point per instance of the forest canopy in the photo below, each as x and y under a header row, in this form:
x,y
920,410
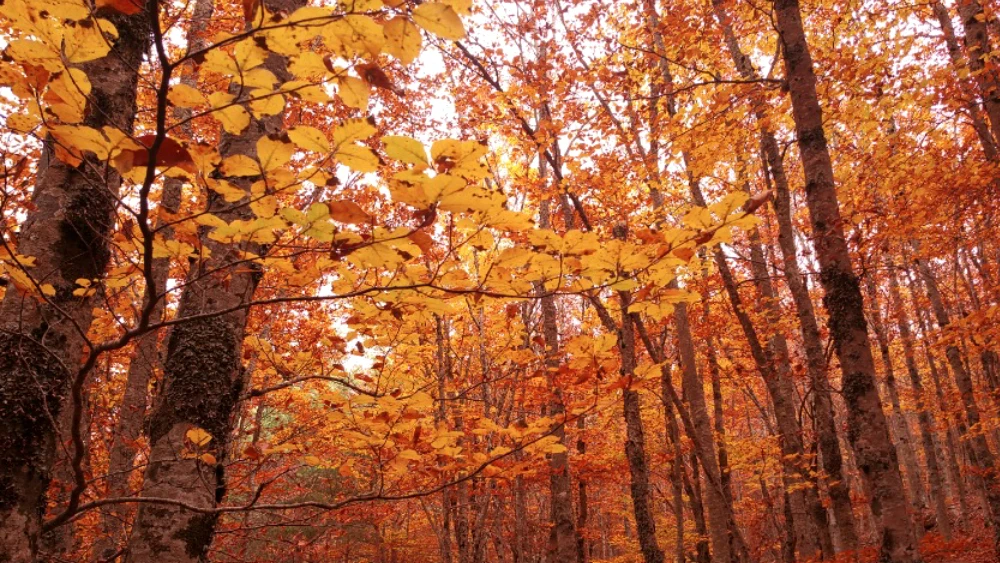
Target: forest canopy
x,y
470,281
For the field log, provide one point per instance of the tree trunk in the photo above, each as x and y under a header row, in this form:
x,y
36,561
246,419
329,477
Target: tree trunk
x,y
904,436
147,356
67,232
719,512
951,438
825,423
563,535
203,374
635,443
868,428
955,54
979,50
982,457
923,416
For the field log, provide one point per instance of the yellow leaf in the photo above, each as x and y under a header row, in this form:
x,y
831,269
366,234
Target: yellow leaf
x,y
273,154
184,96
84,43
405,149
233,117
266,103
353,130
354,92
229,192
439,19
312,460
358,158
198,437
403,39
239,165
309,138
48,289
22,123
207,459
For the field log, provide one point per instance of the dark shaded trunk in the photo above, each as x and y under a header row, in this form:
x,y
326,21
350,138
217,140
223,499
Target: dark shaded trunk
x,y
635,443
147,356
67,232
825,423
203,372
868,428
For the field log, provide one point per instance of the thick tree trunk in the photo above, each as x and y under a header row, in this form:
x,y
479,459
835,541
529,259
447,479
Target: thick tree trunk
x,y
41,343
982,457
147,356
923,416
825,423
203,373
868,428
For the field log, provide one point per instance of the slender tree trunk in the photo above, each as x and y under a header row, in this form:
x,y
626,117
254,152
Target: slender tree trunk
x,y
774,369
868,428
904,436
825,423
582,512
67,232
635,443
719,513
982,457
979,49
693,487
975,111
719,418
923,416
563,536
951,439
203,375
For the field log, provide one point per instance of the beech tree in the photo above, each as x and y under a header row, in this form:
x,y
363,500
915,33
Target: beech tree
x,y
456,281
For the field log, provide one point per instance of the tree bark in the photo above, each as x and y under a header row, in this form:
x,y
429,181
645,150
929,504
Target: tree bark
x,y
773,365
923,416
147,356
635,443
979,124
868,428
904,436
825,422
203,374
978,48
982,457
563,535
41,342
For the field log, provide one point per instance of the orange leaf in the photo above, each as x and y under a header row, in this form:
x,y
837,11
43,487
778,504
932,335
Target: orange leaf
x,y
348,212
127,7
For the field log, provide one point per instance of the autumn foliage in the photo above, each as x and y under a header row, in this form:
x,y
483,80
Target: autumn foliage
x,y
499,281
